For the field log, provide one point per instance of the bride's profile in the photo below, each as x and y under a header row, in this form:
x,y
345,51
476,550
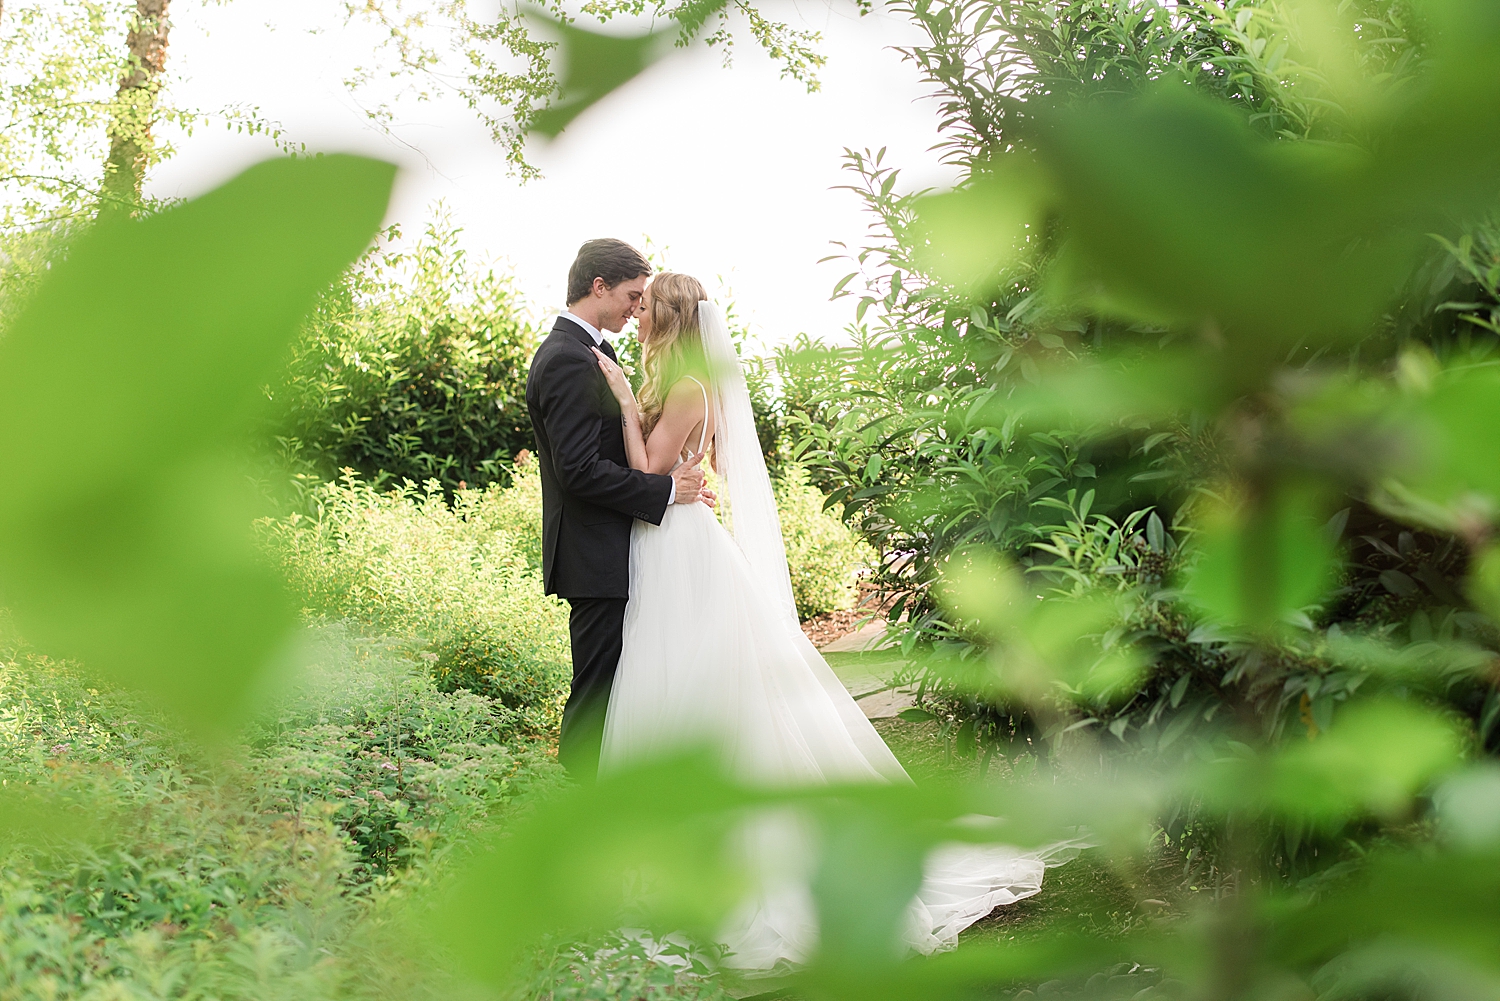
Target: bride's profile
x,y
714,657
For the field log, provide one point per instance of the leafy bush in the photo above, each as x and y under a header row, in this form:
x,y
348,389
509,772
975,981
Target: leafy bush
x,y
367,740
406,562
413,369
247,876
824,555
619,966
515,510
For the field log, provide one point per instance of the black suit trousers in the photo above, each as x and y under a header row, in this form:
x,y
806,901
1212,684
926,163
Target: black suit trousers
x,y
596,627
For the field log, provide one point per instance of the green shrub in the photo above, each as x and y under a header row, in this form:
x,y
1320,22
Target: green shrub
x,y
247,876
408,563
516,510
825,557
413,369
401,767
619,966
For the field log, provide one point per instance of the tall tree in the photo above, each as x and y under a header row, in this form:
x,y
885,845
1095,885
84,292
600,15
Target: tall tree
x,y
135,106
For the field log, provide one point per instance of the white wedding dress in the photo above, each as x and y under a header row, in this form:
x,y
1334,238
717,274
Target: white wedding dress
x,y
714,658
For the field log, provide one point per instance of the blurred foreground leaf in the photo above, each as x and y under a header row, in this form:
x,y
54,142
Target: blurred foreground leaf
x,y
596,65
1261,560
1376,757
140,360
676,847
1038,643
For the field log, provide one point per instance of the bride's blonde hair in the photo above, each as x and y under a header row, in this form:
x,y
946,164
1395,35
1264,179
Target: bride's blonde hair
x,y
675,347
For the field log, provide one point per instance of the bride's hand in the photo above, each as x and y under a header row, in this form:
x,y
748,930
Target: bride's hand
x,y
615,376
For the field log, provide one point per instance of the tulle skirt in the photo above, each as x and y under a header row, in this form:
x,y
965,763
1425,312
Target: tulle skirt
x,y
709,661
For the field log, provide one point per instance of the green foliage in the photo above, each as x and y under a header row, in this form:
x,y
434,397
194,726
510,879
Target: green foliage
x,y
144,569
413,369
619,966
404,770
450,576
503,63
825,557
249,876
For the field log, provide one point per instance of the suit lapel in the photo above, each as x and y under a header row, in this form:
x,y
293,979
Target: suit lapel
x,y
584,337
567,326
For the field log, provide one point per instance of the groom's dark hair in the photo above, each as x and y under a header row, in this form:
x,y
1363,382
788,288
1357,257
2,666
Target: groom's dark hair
x,y
613,260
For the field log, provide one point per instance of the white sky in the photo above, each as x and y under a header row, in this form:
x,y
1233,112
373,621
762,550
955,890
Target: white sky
x,y
727,171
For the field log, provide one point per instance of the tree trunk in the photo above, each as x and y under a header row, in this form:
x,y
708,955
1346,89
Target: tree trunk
x,y
135,107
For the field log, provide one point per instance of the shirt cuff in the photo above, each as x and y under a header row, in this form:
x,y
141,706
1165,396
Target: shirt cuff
x,y
672,494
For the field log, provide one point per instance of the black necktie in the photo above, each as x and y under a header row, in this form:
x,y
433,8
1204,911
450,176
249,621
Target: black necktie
x,y
608,351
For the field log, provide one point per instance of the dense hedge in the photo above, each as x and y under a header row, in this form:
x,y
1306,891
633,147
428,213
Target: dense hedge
x,y
413,369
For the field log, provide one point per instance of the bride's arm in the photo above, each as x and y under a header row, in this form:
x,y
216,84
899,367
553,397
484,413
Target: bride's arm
x,y
630,412
682,412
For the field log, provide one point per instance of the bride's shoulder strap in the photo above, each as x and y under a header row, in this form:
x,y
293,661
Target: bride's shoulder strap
x,y
703,431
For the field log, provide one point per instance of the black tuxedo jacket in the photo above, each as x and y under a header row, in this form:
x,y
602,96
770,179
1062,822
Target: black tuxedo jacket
x,y
589,492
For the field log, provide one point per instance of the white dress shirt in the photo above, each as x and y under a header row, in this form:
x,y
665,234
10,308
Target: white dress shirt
x,y
599,340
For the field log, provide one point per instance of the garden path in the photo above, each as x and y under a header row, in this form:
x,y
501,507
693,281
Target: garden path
x,y
867,666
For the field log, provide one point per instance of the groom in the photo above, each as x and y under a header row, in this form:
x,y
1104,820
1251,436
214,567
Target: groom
x,y
590,495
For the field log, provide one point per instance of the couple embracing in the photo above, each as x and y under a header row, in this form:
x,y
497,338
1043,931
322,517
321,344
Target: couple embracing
x,y
684,632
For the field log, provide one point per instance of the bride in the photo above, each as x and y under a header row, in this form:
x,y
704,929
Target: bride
x,y
713,655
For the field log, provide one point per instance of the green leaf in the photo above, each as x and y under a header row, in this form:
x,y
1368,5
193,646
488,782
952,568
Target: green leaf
x,y
140,359
1178,690
1260,563
595,65
968,235
1373,758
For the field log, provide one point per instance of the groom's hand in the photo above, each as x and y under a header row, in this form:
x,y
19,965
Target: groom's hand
x,y
708,497
689,480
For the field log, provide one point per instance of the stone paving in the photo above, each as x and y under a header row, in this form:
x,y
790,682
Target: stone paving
x,y
863,663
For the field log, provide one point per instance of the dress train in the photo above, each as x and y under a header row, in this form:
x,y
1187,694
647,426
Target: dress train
x,y
711,661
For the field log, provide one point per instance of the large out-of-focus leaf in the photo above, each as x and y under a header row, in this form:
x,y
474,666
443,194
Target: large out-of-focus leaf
x,y
139,362
595,64
1374,759
1158,386
870,869
966,236
1431,909
1484,580
1453,480
658,841
1261,561
1266,241
676,847
1038,644
1468,808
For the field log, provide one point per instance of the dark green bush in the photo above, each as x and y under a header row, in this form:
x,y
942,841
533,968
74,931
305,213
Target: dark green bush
x,y
413,369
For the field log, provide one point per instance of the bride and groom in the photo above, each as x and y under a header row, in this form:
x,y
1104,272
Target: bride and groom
x,y
684,630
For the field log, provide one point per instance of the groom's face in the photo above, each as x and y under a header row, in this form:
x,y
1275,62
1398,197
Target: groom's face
x,y
620,304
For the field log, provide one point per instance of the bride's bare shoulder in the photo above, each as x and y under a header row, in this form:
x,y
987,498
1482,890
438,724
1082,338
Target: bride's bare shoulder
x,y
686,393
